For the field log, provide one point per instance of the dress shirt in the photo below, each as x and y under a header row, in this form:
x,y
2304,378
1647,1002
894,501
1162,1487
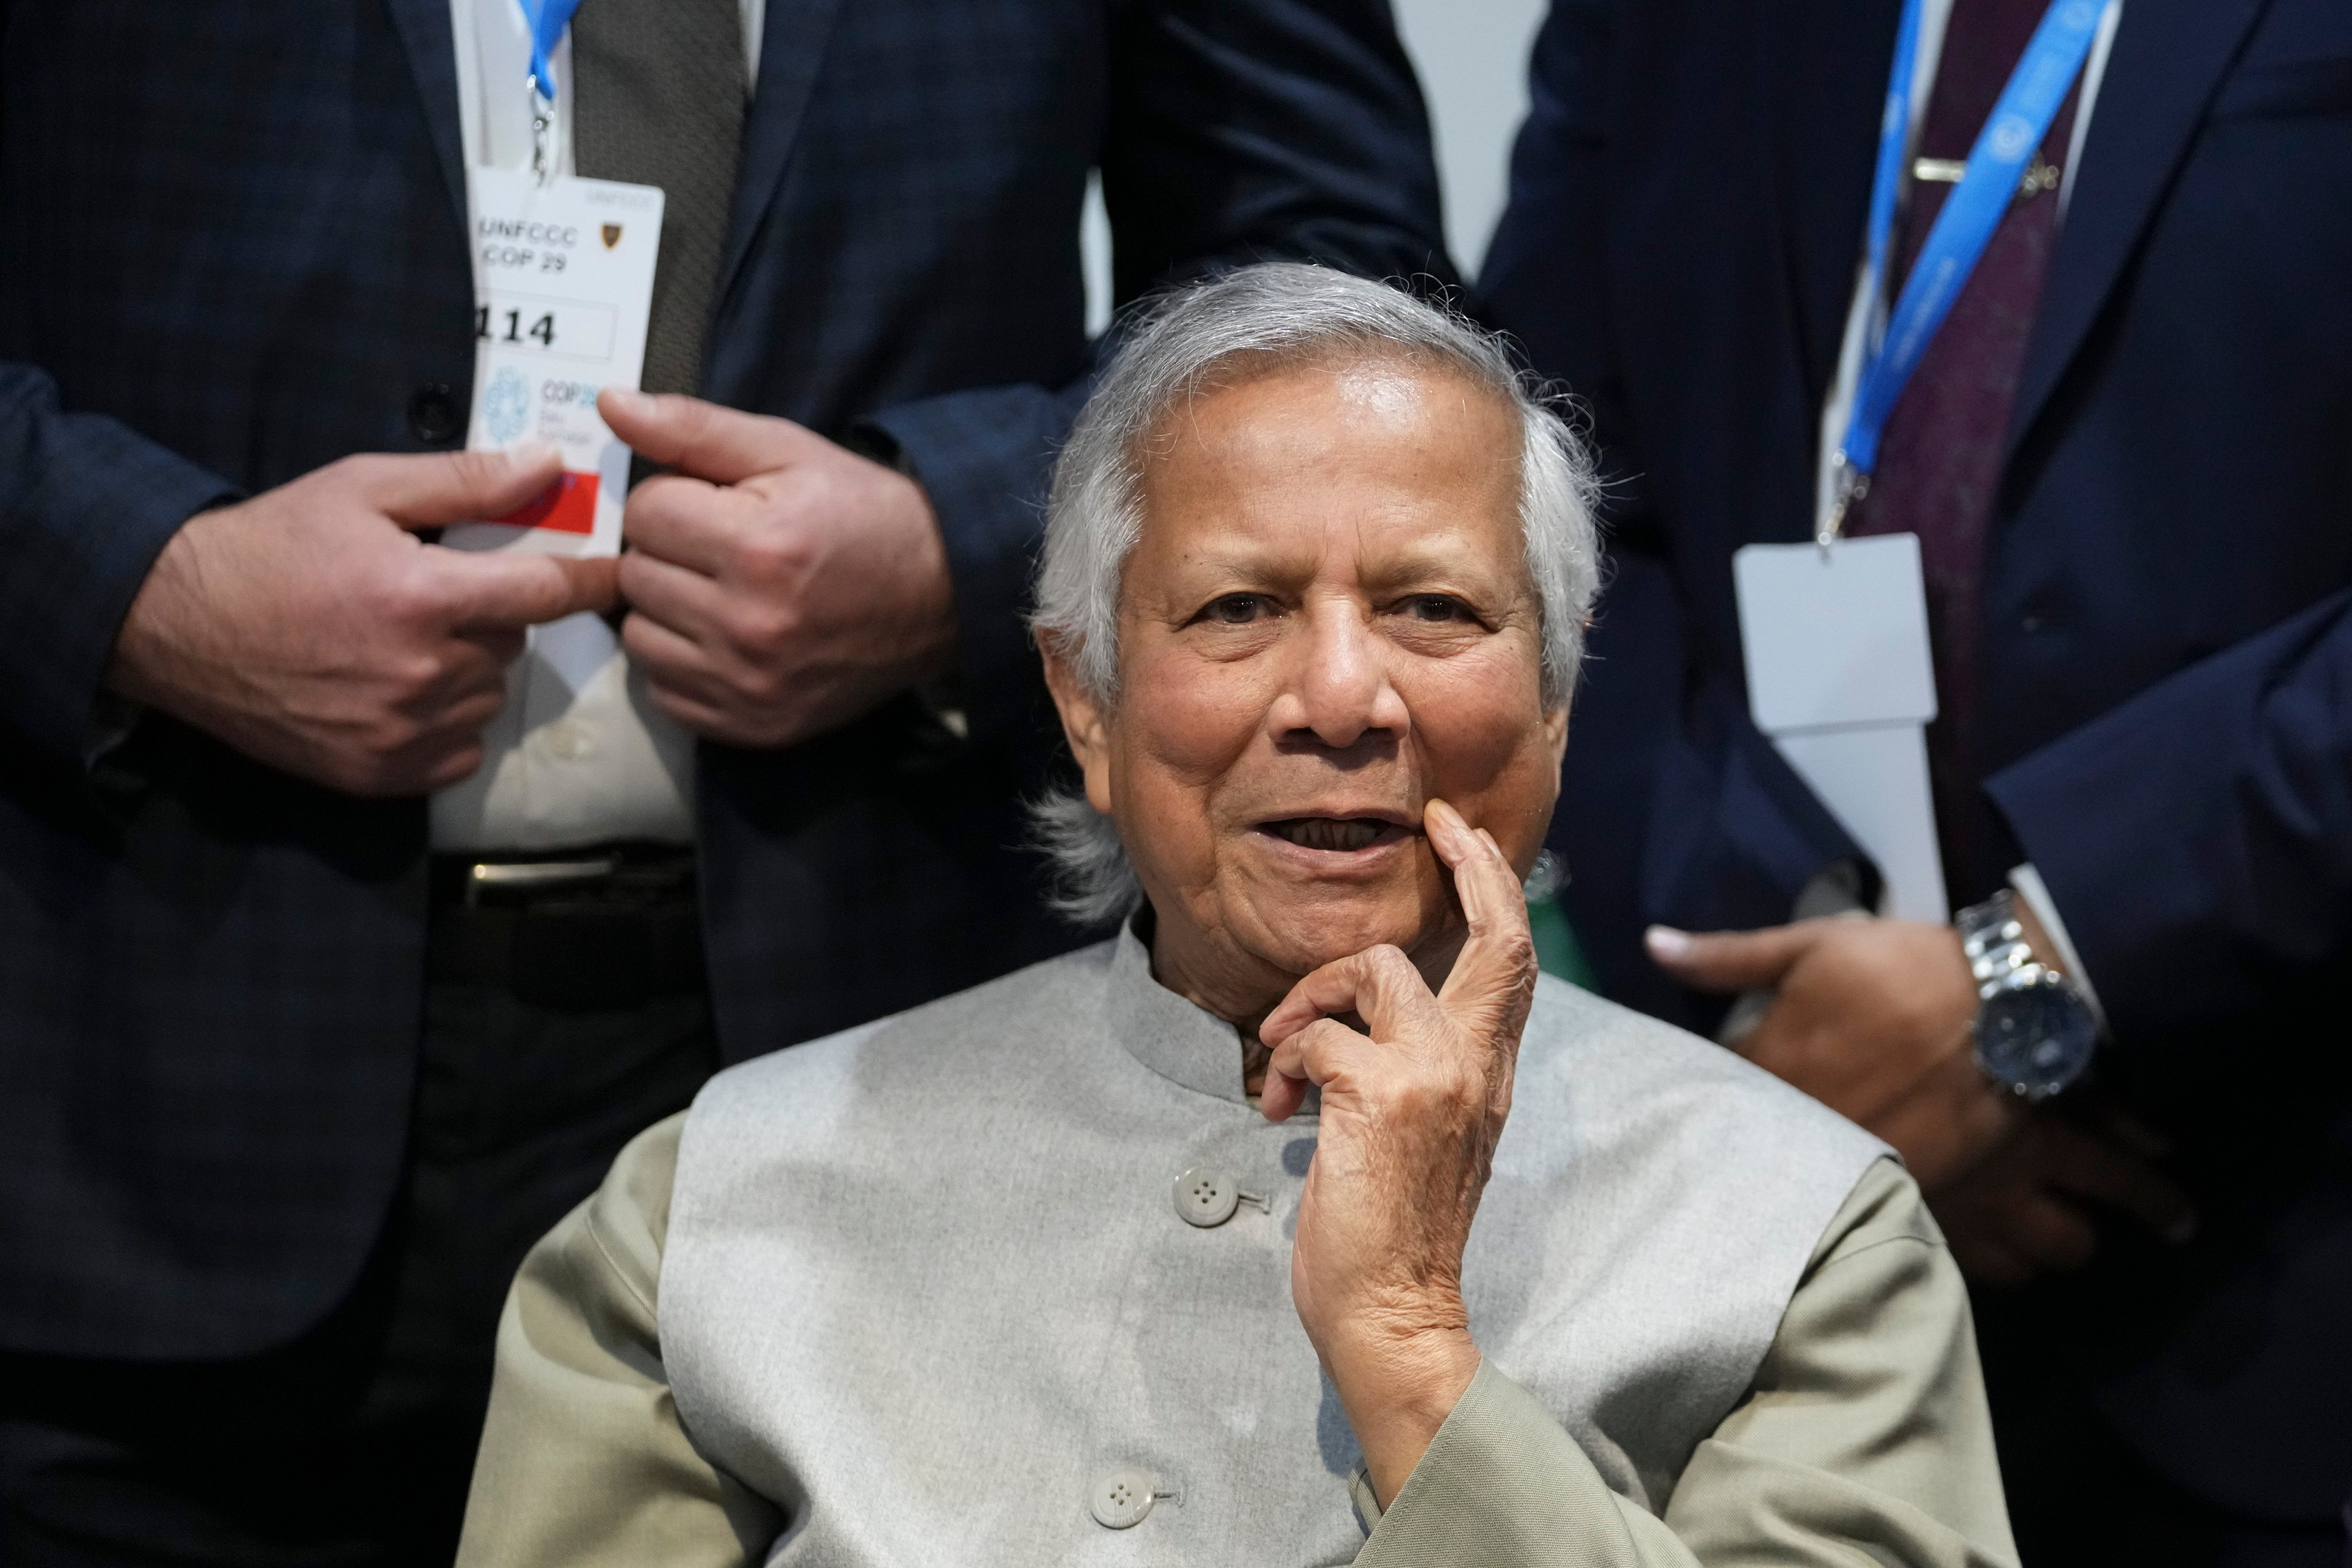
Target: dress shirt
x,y
1868,311
1867,1419
579,755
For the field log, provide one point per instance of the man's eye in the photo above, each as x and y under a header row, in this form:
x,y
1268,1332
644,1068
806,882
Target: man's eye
x,y
1236,609
1436,608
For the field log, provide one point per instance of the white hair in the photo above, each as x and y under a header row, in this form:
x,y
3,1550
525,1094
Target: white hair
x,y
1249,322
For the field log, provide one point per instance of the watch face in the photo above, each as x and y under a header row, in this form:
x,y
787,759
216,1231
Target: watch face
x,y
2035,1036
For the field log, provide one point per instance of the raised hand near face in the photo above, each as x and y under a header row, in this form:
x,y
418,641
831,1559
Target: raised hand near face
x,y
1410,1113
779,584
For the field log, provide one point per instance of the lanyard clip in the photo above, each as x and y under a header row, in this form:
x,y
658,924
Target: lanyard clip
x,y
1848,486
542,132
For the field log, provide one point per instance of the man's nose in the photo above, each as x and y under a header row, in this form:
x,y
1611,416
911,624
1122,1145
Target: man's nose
x,y
1339,690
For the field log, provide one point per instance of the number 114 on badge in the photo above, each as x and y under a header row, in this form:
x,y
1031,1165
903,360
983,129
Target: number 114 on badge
x,y
563,283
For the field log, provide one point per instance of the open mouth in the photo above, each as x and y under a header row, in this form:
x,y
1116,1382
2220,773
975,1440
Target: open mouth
x,y
1338,835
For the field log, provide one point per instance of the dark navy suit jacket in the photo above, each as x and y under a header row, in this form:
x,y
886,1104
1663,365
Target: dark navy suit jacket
x,y
231,250
2165,698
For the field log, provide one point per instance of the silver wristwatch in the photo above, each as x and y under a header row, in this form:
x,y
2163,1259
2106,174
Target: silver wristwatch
x,y
2035,1032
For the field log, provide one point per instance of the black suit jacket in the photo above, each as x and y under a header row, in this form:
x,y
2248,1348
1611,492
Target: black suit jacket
x,y
2163,730
231,249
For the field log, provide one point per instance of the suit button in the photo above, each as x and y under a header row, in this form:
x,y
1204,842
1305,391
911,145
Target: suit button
x,y
432,413
1205,1197
1121,1499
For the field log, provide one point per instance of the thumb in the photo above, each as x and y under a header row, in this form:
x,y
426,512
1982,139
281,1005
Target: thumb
x,y
1728,960
503,589
724,445
433,488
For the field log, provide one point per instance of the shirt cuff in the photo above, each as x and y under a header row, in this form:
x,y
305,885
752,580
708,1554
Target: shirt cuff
x,y
1501,1486
2029,886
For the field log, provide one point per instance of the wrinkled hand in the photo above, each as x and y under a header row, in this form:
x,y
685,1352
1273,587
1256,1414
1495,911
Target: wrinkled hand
x,y
1410,1114
310,630
1872,1017
778,585
2025,1209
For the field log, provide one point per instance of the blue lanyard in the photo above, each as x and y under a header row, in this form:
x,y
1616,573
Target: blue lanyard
x,y
1963,228
547,20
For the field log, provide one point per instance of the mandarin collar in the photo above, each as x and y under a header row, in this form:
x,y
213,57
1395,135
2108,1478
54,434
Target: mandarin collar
x,y
1180,1042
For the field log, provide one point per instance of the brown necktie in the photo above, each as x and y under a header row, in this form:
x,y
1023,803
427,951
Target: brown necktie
x,y
1940,459
661,88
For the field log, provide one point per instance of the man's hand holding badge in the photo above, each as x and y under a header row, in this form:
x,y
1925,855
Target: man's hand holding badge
x,y
312,629
779,584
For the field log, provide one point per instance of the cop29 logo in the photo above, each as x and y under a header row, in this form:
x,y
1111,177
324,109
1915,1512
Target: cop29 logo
x,y
506,406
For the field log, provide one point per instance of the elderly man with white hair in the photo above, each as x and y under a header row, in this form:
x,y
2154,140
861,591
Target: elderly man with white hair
x,y
1303,1221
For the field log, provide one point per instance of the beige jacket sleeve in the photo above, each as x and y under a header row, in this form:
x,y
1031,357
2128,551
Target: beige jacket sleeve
x,y
583,1462
1866,1438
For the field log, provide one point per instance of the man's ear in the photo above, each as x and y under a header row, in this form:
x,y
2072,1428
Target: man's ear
x,y
1084,723
1555,734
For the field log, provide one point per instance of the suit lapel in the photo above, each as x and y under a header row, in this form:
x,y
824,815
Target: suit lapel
x,y
2167,59
791,48
424,29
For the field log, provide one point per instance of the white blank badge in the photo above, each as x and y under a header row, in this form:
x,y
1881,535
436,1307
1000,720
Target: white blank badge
x,y
1840,676
563,284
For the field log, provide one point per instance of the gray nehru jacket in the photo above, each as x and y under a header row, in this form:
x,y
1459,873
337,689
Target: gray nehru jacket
x,y
928,1282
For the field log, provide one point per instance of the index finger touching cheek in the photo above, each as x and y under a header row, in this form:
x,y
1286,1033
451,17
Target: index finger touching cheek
x,y
1497,967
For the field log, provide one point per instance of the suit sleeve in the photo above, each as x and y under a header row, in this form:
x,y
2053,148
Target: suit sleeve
x,y
2198,838
86,504
1239,130
1661,736
1864,1438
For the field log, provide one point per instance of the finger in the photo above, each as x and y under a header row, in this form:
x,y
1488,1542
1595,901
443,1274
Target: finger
x,y
2121,1126
433,489
2051,1233
1988,1260
711,723
1379,984
2081,1164
442,761
501,644
1496,968
673,662
468,673
444,753
677,597
1947,1125
459,720
1729,960
1313,1056
686,523
506,589
724,445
